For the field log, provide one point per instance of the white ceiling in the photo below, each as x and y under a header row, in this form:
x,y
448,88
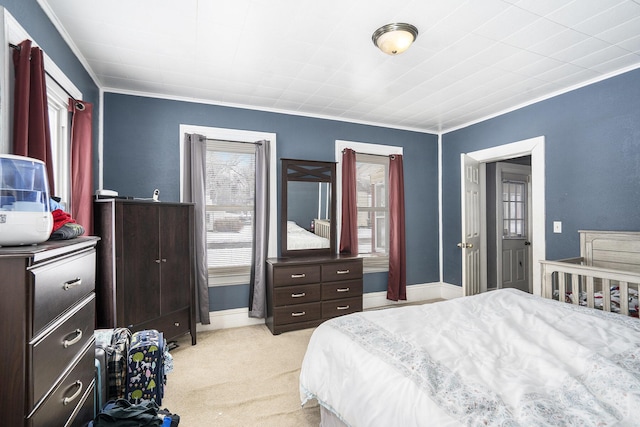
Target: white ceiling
x,y
472,59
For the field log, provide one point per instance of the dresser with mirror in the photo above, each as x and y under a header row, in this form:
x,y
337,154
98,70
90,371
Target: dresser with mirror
x,y
310,283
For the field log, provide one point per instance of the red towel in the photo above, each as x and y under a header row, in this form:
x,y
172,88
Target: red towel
x,y
60,218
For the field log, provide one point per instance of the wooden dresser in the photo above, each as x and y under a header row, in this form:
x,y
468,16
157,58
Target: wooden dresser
x,y
304,292
47,321
146,266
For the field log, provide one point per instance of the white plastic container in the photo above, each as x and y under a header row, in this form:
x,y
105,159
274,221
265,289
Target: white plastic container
x,y
25,213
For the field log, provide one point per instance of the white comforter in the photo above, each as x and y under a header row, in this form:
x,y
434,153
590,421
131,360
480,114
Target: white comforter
x,y
501,358
299,238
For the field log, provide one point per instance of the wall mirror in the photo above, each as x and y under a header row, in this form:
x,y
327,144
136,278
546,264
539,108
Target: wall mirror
x,y
308,208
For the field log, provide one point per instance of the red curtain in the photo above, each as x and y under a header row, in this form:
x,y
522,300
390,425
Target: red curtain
x,y
397,284
31,134
349,228
81,163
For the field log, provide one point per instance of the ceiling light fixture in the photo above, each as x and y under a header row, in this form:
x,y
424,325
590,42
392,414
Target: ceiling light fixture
x,y
394,39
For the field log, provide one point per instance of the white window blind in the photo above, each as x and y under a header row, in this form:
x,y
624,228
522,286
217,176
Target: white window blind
x,y
230,197
372,182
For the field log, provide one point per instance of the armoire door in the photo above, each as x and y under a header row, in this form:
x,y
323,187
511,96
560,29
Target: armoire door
x,y
175,279
141,263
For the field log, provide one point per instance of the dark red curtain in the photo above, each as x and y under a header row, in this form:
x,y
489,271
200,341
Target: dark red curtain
x,y
81,163
349,227
31,134
397,284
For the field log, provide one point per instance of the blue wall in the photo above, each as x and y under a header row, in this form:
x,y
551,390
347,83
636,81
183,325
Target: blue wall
x,y
141,152
592,163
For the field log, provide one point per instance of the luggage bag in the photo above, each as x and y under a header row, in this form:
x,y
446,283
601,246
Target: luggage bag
x,y
102,386
115,343
145,376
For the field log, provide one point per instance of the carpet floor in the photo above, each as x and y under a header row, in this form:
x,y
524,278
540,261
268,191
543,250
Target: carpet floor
x,y
240,377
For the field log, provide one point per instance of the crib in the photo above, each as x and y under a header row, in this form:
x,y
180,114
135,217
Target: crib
x,y
322,227
606,276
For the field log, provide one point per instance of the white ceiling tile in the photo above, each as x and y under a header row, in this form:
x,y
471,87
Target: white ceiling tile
x,y
577,11
506,23
620,13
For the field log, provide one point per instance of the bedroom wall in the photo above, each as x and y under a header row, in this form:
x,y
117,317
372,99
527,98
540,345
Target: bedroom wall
x,y
592,163
141,152
32,18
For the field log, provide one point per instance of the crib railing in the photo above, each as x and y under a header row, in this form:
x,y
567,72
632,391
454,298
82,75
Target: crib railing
x,y
569,277
322,227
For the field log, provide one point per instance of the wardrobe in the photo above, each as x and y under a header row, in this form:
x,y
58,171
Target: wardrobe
x,y
145,276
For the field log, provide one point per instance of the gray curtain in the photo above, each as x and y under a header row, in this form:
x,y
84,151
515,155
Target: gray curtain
x,y
257,291
196,154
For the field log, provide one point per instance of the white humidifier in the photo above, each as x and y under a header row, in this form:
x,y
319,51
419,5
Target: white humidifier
x,y
25,213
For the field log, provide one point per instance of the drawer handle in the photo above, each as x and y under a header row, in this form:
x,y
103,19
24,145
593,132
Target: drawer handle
x,y
176,324
298,314
343,307
70,399
298,276
300,295
72,283
342,272
69,343
343,290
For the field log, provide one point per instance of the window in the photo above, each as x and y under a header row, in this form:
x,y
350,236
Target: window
x,y
230,189
372,177
228,261
60,146
514,199
372,181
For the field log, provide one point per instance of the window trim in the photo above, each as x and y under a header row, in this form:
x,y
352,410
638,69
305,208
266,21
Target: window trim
x,y
240,136
371,264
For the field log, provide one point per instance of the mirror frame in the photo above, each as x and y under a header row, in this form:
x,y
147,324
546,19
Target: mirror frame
x,y
307,171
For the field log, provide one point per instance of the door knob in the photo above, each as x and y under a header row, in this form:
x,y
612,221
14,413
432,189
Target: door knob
x,y
465,245
527,243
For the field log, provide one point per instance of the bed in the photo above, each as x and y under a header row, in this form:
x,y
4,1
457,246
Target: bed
x,y
299,238
504,358
605,276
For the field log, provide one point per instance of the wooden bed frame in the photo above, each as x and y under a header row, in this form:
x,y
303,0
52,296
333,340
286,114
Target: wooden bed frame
x,y
606,258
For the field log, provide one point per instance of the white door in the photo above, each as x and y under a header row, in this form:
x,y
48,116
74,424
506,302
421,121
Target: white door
x,y
513,227
472,264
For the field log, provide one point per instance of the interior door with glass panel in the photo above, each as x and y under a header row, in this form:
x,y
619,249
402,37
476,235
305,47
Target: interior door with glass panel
x,y
514,268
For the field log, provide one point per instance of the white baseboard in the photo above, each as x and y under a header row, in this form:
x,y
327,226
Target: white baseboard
x,y
415,293
238,317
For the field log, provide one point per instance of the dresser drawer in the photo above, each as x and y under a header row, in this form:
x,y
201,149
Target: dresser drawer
x,y
55,351
300,294
61,284
68,395
296,275
343,270
339,307
297,313
344,289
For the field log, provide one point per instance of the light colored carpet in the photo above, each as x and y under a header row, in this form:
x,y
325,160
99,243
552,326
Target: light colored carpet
x,y
240,377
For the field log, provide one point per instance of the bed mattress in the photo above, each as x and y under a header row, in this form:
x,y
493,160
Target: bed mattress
x,y
501,358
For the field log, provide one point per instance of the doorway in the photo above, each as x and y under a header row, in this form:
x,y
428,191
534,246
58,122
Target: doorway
x,y
474,280
509,254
